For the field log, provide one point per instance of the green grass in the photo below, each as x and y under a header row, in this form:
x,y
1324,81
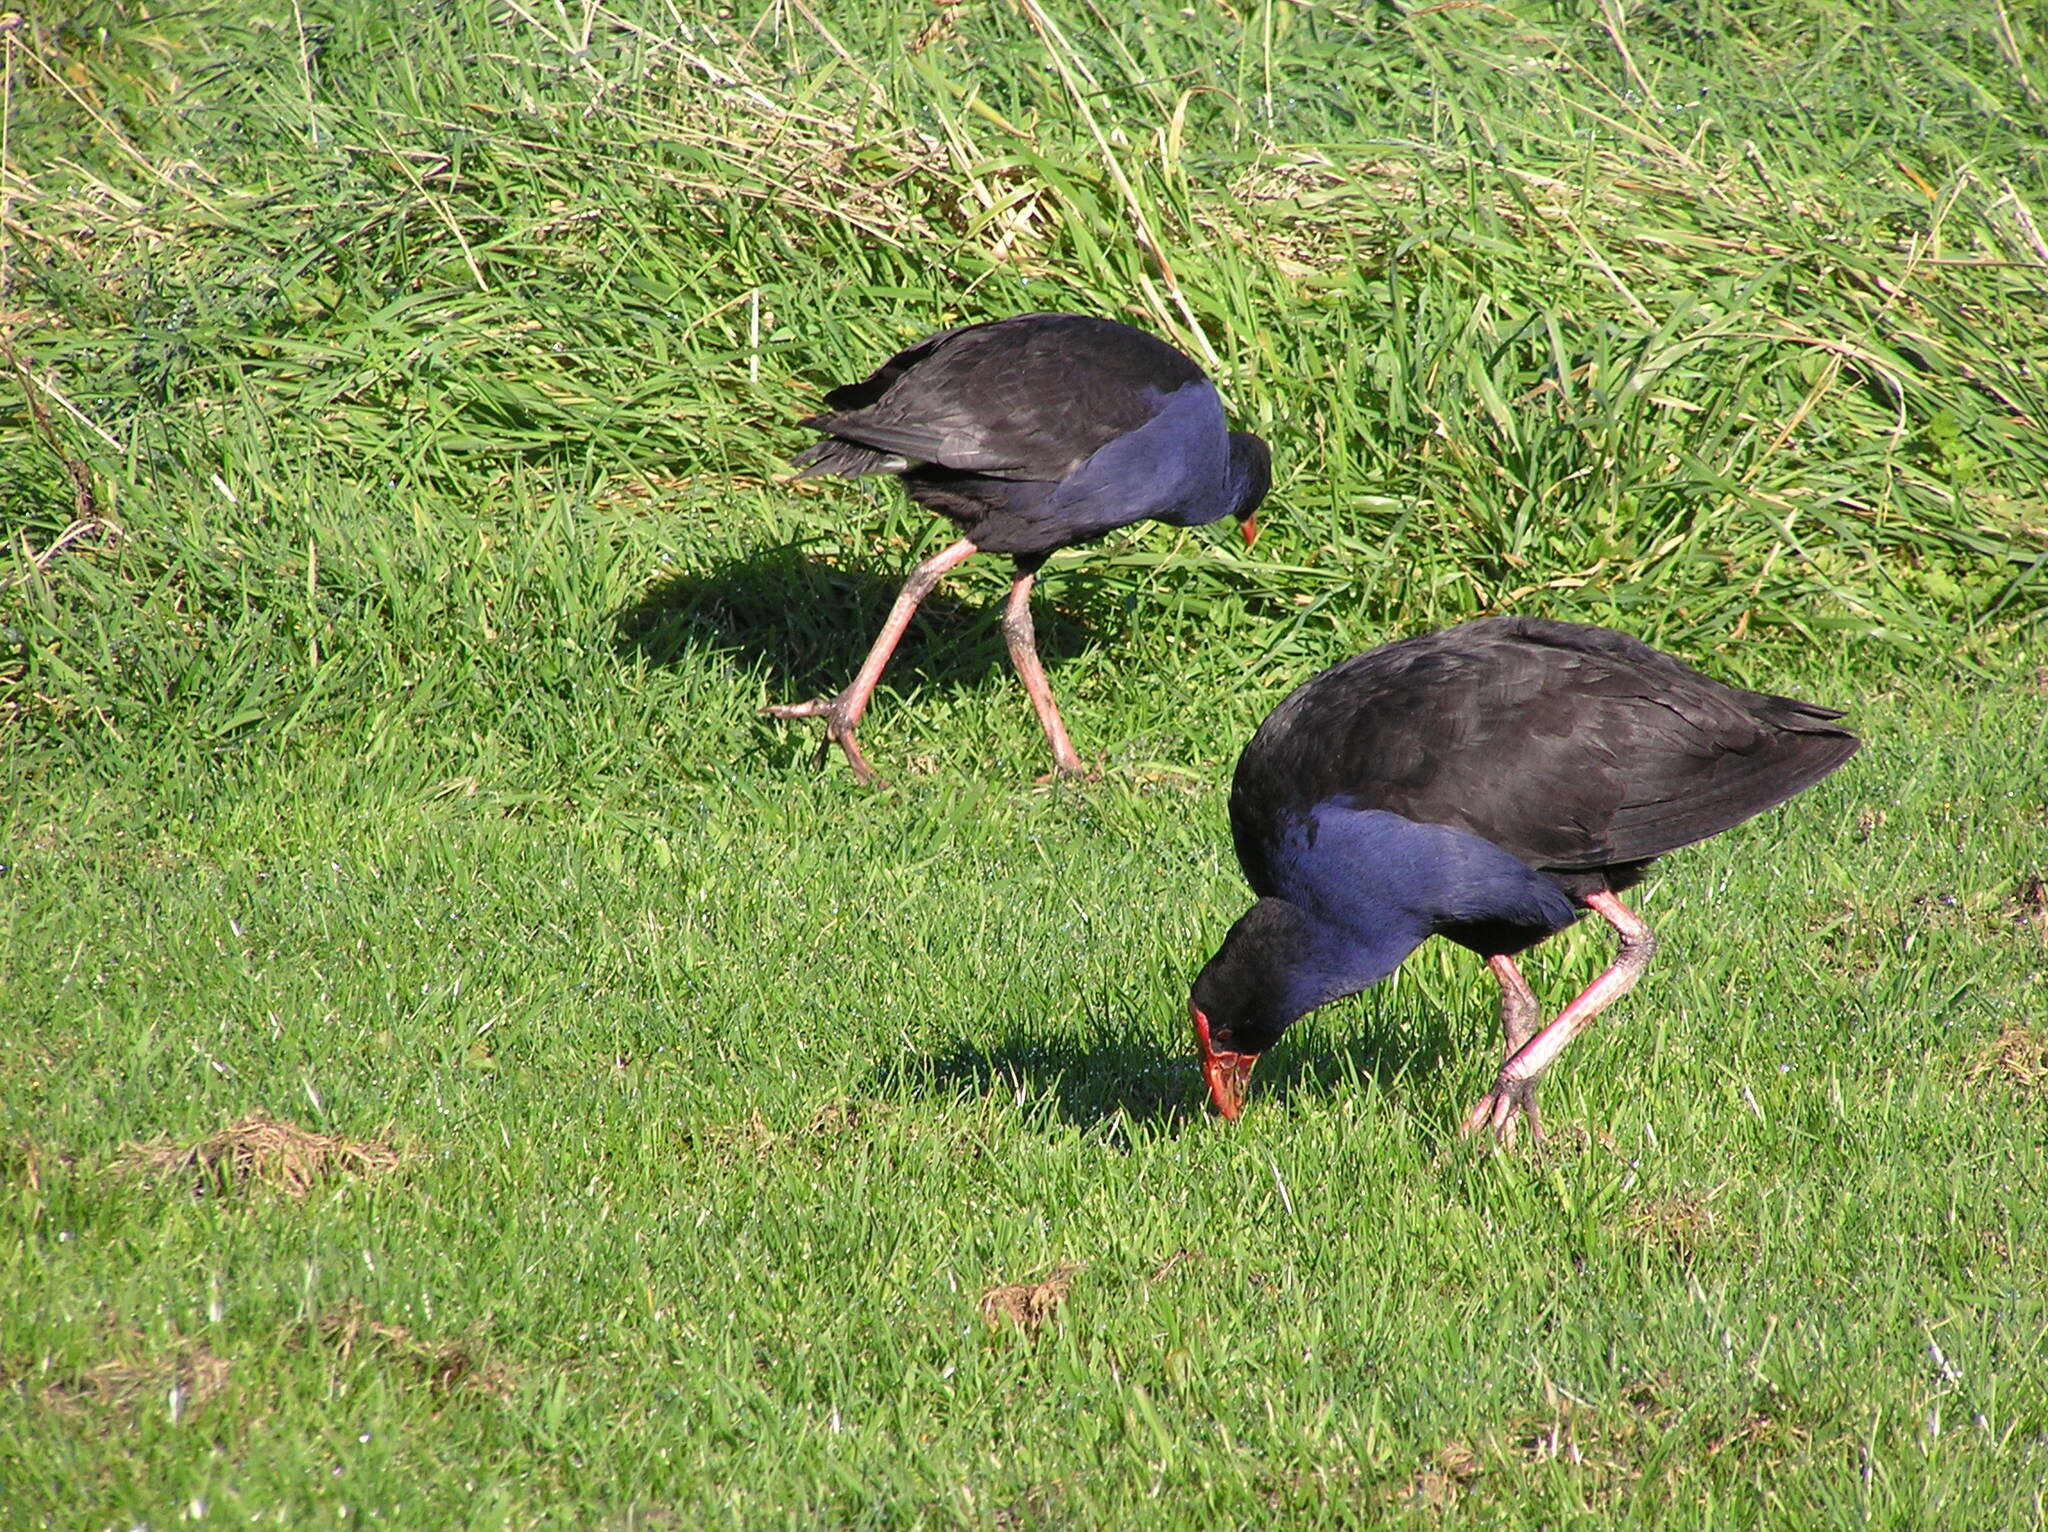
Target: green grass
x,y
382,753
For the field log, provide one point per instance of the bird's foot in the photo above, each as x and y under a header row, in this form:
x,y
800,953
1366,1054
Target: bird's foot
x,y
1503,1109
840,713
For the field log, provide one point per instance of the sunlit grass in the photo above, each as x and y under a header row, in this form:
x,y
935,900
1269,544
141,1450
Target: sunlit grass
x,y
383,757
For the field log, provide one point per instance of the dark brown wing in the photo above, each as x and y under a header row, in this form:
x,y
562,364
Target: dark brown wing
x,y
1027,398
1571,747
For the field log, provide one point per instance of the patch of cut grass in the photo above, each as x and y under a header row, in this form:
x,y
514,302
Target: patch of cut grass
x,y
2017,1059
1028,1305
185,1379
445,1366
259,1149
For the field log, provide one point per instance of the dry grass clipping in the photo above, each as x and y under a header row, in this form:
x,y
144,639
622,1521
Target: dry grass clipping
x,y
835,1120
26,1160
263,1150
1440,1484
447,1367
1028,1305
179,1382
1683,1225
2019,1058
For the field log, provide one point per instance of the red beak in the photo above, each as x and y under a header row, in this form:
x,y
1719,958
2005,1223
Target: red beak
x,y
1227,1072
1248,527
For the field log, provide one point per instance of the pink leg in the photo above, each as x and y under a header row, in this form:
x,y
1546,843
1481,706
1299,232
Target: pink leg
x,y
842,712
1515,1089
1023,641
1520,1016
1519,1012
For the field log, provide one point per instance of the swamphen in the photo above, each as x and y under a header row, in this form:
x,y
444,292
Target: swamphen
x,y
1030,435
1489,783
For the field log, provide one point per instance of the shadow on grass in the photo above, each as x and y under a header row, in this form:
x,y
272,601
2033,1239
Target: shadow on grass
x,y
806,623
1084,1085
1090,1085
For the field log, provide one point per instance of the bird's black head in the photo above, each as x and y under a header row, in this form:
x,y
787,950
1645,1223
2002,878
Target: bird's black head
x,y
1246,996
1251,474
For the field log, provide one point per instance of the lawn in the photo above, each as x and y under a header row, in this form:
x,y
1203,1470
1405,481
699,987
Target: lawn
x,y
462,1066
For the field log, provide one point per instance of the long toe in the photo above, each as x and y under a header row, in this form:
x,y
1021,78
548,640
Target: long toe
x,y
1504,1109
862,771
839,713
817,707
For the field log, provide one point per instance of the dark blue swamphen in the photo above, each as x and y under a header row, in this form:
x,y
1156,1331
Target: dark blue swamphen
x,y
1489,783
1030,435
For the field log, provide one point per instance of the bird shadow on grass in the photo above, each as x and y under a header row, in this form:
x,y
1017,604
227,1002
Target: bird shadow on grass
x,y
1091,1085
805,623
1315,1066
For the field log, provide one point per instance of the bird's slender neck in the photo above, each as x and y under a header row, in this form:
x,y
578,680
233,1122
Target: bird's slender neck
x,y
1347,894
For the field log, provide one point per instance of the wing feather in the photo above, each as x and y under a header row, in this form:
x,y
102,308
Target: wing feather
x,y
1570,747
1028,398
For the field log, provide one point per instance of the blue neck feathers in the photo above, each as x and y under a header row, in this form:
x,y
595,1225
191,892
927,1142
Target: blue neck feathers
x,y
1373,886
1348,893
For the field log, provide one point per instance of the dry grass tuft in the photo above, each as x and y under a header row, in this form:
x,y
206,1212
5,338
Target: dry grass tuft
x,y
261,1149
831,1121
1028,1305
178,1382
1683,1225
25,1160
1759,1430
2018,1058
446,1367
1577,1138
847,1117
1440,1483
